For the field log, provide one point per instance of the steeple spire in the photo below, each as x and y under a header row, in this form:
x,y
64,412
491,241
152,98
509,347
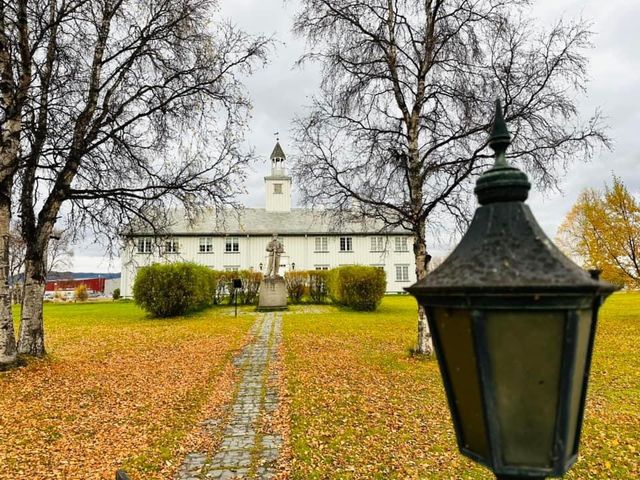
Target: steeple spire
x,y
278,184
277,152
277,160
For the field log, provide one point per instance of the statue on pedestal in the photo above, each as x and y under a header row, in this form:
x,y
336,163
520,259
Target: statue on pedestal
x,y
275,249
273,291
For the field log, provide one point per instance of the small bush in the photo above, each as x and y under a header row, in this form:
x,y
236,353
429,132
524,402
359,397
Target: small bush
x,y
81,293
248,293
296,283
250,286
174,289
220,281
357,287
318,285
116,294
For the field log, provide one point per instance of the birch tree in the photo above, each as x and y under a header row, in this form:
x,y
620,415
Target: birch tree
x,y
131,107
15,77
399,127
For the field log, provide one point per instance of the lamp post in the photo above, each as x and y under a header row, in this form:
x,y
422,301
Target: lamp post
x,y
513,322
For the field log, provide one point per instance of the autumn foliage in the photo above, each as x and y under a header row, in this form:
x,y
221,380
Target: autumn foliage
x,y
81,293
603,231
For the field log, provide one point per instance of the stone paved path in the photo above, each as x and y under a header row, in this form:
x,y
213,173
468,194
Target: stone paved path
x,y
245,452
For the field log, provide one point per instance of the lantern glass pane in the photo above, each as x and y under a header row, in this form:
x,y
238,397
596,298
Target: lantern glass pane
x,y
578,383
525,352
455,334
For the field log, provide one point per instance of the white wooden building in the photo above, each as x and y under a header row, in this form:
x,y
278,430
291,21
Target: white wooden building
x,y
236,240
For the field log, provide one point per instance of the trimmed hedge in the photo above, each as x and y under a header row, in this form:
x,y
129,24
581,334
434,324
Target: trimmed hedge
x,y
167,290
357,287
174,289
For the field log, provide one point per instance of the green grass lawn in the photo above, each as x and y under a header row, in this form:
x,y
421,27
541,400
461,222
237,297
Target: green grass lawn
x,y
121,389
118,389
361,407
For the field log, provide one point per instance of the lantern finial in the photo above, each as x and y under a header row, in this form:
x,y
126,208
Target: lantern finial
x,y
502,182
500,138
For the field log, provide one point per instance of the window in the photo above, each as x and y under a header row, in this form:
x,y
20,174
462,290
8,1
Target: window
x,y
322,245
171,245
231,268
277,188
144,245
401,244
321,267
402,273
377,244
346,244
231,245
206,245
378,266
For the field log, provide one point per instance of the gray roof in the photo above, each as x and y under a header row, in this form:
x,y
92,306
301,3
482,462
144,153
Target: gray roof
x,y
257,221
277,151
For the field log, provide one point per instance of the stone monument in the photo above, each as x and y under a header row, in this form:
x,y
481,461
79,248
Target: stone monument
x,y
273,291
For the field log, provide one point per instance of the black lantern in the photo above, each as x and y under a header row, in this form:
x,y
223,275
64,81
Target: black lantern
x,y
293,265
513,323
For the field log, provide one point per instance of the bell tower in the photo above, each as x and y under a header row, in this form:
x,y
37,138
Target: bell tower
x,y
278,184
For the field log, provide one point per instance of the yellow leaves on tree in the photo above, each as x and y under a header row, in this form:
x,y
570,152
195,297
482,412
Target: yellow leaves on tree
x,y
81,293
603,231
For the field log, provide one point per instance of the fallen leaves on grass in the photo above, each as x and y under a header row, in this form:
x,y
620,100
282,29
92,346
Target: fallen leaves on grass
x,y
119,390
362,408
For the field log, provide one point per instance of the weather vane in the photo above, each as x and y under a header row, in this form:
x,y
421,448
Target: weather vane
x,y
277,134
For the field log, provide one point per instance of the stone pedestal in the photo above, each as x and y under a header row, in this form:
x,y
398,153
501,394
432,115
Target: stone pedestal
x,y
273,294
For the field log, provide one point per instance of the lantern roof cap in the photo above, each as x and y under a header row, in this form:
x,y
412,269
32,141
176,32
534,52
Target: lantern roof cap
x,y
505,250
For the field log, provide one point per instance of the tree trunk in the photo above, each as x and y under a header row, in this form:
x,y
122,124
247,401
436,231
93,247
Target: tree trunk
x,y
32,324
7,334
425,344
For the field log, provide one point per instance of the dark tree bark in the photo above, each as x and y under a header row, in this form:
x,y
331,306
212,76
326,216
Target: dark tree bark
x,y
399,129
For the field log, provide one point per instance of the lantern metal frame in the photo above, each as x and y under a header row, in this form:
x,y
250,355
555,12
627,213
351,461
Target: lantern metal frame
x,y
568,365
506,262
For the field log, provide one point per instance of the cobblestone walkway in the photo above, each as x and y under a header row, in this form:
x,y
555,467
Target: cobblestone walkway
x,y
245,451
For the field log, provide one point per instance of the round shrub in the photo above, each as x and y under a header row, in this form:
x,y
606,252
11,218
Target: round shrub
x,y
174,289
116,294
357,287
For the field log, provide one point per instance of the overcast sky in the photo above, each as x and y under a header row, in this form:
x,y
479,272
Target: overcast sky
x,y
281,90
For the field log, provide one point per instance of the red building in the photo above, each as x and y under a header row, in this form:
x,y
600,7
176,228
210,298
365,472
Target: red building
x,y
93,284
